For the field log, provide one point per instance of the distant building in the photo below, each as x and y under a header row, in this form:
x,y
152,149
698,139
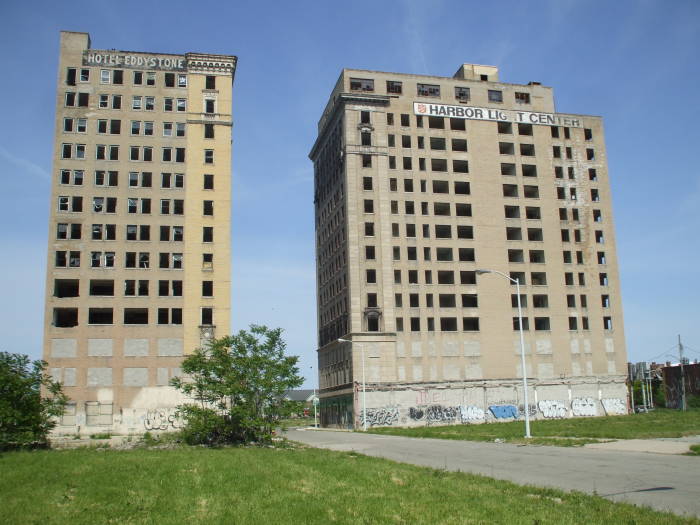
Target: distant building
x,y
138,269
419,182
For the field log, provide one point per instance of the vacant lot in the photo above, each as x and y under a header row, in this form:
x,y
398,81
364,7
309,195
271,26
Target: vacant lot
x,y
567,432
264,485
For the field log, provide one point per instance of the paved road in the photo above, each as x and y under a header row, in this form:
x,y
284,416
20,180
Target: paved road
x,y
660,481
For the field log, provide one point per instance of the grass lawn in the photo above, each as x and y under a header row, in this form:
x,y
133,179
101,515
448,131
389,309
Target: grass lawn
x,y
285,486
567,432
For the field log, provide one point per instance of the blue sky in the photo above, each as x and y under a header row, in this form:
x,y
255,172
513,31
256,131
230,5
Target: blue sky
x,y
633,62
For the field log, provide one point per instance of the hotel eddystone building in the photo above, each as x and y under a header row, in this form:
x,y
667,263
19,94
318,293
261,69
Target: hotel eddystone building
x,y
420,181
138,271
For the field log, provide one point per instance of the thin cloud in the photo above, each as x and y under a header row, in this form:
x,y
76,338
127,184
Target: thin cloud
x,y
24,164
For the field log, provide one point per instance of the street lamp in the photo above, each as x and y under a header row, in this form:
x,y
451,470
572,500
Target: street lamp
x,y
364,384
522,344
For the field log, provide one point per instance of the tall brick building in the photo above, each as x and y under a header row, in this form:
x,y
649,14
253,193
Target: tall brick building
x,y
420,181
138,270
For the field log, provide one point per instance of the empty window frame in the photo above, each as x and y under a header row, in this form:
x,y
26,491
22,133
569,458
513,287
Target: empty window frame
x,y
495,95
361,84
428,90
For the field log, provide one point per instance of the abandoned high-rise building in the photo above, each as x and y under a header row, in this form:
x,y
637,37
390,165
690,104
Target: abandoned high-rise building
x,y
421,181
138,269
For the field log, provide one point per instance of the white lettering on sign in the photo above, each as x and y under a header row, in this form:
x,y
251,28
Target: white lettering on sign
x,y
107,59
474,113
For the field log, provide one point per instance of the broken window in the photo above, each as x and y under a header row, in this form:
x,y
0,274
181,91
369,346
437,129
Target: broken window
x,y
522,98
587,134
569,153
515,256
495,95
462,93
361,84
531,192
65,317
601,258
208,207
538,278
135,315
516,323
367,161
525,129
100,316
537,256
561,193
467,277
518,276
209,106
394,86
540,301
102,287
542,323
514,234
527,150
506,148
590,154
436,122
504,128
507,168
572,173
443,231
438,164
441,186
447,300
568,278
438,143
512,212
458,124
595,196
462,188
207,234
448,324
66,288
529,170
607,323
428,90
445,277
207,288
443,254
510,190
460,166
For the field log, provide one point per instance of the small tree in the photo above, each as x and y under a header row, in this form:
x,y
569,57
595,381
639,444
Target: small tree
x,y
27,414
239,383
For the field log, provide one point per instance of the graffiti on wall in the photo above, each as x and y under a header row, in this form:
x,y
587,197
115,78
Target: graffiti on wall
x,y
471,413
584,406
504,411
614,406
162,419
380,416
552,409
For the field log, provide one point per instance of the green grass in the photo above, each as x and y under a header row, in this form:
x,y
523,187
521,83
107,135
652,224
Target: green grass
x,y
283,485
694,450
566,432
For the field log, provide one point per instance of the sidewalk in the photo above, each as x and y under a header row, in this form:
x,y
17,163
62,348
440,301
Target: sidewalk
x,y
651,446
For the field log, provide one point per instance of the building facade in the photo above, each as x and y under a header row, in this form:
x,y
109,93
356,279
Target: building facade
x,y
138,270
420,181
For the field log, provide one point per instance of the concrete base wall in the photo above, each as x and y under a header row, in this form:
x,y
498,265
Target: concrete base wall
x,y
487,401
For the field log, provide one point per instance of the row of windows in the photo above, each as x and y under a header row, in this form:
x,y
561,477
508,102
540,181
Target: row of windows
x,y
461,93
136,153
68,317
67,288
138,78
108,232
107,259
114,127
142,179
471,324
138,102
133,205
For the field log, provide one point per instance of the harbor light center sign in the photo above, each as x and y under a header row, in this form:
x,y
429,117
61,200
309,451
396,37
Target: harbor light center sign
x,y
494,114
133,61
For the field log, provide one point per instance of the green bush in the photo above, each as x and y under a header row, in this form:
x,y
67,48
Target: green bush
x,y
693,401
30,402
239,384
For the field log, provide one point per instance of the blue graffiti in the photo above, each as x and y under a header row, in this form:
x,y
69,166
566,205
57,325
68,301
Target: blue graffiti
x,y
504,411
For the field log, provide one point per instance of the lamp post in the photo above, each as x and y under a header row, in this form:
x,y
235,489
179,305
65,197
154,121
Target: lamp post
x,y
522,345
364,384
315,402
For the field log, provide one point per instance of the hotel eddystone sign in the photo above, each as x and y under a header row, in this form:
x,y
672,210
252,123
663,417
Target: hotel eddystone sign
x,y
494,114
133,60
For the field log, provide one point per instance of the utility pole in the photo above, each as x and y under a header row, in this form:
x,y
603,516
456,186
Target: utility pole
x,y
680,353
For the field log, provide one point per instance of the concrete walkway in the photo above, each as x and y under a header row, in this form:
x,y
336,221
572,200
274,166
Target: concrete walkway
x,y
660,481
